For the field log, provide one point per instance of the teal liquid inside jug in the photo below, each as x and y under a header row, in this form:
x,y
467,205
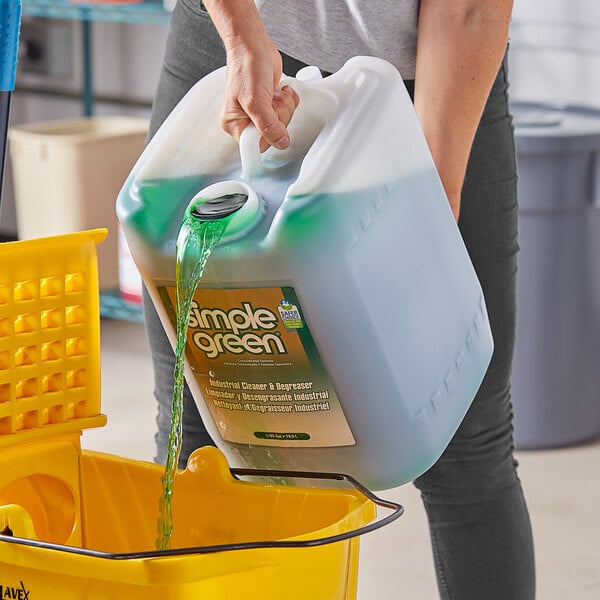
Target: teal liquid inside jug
x,y
341,392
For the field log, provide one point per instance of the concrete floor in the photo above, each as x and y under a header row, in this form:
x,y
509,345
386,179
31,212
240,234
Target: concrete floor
x,y
562,489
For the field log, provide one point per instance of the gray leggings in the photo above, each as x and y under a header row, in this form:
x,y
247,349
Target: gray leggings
x,y
480,529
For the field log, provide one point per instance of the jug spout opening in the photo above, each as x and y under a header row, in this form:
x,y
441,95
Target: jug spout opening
x,y
233,201
219,207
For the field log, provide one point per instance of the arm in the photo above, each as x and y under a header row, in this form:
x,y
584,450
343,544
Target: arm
x,y
253,74
460,47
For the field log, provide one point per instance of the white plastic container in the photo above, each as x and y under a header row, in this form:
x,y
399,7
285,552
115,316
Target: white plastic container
x,y
339,325
66,175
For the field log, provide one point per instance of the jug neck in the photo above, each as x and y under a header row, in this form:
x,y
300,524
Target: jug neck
x,y
234,201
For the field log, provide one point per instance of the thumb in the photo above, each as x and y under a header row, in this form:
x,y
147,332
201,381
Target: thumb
x,y
273,132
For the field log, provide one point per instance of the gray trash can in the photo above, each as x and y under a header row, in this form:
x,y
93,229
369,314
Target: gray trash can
x,y
556,377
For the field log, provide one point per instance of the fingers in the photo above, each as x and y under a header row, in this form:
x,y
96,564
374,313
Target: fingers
x,y
270,118
234,120
285,102
273,129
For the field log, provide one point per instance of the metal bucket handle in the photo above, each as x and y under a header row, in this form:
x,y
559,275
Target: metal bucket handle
x,y
397,511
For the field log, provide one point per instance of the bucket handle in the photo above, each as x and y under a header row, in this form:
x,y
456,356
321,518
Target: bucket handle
x,y
397,511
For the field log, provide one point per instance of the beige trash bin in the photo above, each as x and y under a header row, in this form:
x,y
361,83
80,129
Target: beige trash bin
x,y
67,175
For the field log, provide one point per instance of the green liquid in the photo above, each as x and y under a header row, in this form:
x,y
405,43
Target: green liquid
x,y
195,243
157,203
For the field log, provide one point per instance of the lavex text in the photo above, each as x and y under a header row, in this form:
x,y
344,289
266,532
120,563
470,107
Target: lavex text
x,y
20,593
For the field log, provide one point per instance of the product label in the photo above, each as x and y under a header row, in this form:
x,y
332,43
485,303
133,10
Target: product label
x,y
258,368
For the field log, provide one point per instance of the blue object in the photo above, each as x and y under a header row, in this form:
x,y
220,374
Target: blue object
x,y
10,20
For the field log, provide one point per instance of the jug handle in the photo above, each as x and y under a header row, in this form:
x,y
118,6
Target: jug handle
x,y
250,152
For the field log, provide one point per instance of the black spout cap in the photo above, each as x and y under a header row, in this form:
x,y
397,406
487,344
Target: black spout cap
x,y
220,207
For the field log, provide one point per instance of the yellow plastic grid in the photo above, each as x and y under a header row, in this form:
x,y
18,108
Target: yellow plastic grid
x,y
49,336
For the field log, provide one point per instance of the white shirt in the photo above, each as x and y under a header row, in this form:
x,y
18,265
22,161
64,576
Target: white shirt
x,y
328,32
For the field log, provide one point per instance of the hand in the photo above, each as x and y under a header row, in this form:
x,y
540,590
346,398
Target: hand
x,y
252,95
252,90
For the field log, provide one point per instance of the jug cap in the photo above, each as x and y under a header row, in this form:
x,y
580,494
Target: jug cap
x,y
219,207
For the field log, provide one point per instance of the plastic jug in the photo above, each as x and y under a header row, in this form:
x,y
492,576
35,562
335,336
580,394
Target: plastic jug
x,y
339,325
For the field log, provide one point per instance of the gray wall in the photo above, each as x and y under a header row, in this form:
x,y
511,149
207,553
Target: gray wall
x,y
555,51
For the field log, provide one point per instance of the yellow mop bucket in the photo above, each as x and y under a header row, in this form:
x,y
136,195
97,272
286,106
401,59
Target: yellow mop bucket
x,y
79,524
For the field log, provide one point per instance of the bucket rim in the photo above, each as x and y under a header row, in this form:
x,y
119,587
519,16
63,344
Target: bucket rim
x,y
397,511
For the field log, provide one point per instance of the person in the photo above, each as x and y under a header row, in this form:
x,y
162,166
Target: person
x,y
452,56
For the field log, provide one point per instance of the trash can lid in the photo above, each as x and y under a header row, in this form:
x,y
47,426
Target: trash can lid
x,y
552,128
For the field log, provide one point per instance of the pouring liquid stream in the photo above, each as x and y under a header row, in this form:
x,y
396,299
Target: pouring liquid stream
x,y
195,243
